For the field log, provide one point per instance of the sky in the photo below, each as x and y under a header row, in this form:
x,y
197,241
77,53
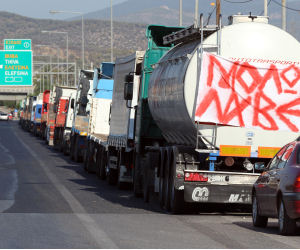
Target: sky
x,y
40,8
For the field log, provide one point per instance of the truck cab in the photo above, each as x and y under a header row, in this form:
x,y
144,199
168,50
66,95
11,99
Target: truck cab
x,y
82,105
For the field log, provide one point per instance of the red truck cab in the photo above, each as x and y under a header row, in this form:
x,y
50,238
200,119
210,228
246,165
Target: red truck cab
x,y
45,109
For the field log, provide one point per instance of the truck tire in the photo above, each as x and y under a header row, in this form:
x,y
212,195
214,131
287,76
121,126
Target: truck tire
x,y
176,196
257,219
61,140
151,162
112,177
89,157
287,226
100,170
72,142
161,178
76,156
112,174
166,202
103,164
65,148
137,185
146,178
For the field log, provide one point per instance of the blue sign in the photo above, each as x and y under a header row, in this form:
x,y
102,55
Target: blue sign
x,y
17,44
15,68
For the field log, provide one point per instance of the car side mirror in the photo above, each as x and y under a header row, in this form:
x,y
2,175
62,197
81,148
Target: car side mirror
x,y
72,103
260,166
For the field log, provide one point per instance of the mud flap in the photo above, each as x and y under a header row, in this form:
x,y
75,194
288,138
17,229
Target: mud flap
x,y
208,193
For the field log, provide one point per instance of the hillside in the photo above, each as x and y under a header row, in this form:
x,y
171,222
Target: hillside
x,y
166,12
128,37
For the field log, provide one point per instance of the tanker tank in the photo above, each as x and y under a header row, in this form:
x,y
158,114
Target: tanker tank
x,y
173,84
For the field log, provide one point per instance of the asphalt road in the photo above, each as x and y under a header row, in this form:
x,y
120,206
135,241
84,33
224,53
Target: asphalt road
x,y
47,201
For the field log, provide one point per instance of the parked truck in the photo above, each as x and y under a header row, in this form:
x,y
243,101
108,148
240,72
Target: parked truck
x,y
81,110
62,127
185,159
44,116
114,156
99,119
205,160
37,115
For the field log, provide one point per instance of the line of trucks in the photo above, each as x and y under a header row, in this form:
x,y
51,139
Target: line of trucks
x,y
132,123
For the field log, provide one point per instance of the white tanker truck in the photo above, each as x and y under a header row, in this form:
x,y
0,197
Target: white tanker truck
x,y
225,100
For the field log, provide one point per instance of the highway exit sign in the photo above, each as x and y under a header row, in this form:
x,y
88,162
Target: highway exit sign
x,y
17,44
15,68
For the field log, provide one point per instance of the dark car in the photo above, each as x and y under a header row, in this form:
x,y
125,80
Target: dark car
x,y
276,193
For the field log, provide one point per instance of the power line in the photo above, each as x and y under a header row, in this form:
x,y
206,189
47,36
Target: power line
x,y
246,1
260,14
209,16
289,8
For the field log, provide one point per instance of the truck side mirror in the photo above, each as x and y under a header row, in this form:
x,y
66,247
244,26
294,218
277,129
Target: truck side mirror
x,y
72,103
128,78
128,87
84,100
128,91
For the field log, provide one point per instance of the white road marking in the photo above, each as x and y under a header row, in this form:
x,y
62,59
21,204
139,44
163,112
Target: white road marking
x,y
98,234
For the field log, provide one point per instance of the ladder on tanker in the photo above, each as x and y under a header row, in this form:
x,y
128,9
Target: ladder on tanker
x,y
207,142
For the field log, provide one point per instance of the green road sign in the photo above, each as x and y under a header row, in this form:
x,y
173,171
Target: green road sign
x,y
15,68
17,44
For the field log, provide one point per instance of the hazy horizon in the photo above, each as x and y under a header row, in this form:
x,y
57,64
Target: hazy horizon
x,y
40,8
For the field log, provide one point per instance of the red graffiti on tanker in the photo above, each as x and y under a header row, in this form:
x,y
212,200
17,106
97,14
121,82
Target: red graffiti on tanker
x,y
241,94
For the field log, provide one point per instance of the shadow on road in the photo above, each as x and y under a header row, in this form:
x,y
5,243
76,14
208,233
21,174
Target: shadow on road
x,y
91,183
272,228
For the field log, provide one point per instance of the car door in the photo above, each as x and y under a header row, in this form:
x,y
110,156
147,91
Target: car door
x,y
275,177
262,188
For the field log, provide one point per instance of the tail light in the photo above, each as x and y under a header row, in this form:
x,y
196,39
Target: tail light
x,y
195,177
297,185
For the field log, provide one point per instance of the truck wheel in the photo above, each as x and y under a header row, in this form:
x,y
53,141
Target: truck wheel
x,y
161,180
112,177
65,147
151,162
176,196
137,186
103,162
88,157
287,226
257,219
61,141
146,179
166,183
76,156
112,174
72,147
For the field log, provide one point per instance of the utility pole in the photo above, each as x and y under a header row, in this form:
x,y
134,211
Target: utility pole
x,y
180,12
218,11
111,34
196,13
266,8
283,3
